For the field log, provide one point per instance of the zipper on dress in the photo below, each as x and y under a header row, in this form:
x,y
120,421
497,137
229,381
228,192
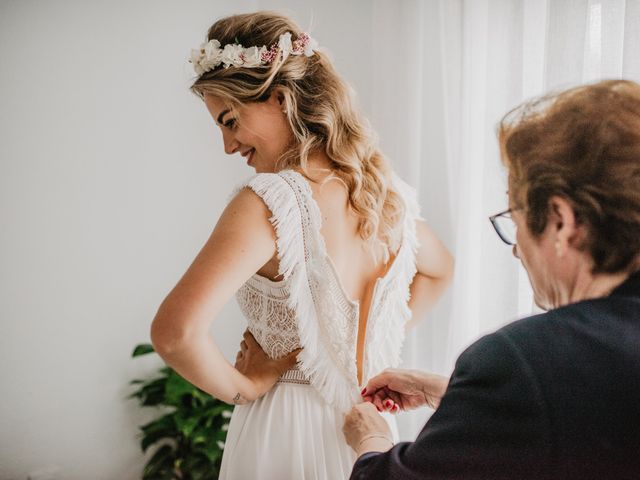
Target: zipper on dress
x,y
365,349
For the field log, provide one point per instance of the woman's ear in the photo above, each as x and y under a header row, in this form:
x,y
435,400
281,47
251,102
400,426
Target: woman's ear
x,y
568,232
277,100
276,97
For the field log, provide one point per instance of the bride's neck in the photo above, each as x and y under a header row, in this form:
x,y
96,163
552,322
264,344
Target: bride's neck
x,y
318,167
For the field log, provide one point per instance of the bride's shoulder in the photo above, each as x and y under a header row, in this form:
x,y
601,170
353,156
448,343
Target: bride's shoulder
x,y
246,209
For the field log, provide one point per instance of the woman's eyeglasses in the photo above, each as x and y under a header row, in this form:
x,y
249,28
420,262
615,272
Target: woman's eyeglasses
x,y
504,226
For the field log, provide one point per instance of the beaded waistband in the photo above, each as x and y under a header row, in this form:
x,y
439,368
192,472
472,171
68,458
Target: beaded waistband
x,y
294,376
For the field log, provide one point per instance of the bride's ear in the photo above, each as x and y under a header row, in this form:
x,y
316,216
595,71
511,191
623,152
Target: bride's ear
x,y
277,98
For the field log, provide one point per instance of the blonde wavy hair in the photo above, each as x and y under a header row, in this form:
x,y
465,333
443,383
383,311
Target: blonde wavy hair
x,y
322,115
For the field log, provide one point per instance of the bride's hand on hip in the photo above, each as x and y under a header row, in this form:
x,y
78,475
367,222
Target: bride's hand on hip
x,y
255,364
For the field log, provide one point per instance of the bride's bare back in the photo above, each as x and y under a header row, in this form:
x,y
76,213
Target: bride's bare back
x,y
355,266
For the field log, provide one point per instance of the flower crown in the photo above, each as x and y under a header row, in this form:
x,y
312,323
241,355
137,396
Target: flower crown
x,y
210,55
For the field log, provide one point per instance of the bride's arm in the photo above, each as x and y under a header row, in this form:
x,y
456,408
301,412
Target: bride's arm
x,y
435,271
241,243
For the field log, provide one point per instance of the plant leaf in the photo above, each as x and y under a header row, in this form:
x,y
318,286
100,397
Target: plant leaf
x,y
151,393
163,427
160,466
142,349
200,467
186,423
175,388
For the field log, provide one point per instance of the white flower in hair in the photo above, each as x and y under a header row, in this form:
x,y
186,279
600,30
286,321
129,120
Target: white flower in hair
x,y
310,47
285,45
195,58
253,57
212,55
206,57
232,55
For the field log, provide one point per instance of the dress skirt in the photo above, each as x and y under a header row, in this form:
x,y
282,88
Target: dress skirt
x,y
289,433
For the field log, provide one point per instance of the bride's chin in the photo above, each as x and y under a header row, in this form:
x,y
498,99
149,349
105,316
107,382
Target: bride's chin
x,y
250,158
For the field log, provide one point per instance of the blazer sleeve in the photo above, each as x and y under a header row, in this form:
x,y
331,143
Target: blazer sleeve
x,y
492,423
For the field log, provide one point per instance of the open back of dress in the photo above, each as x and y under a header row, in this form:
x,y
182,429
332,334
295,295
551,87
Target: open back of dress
x,y
295,430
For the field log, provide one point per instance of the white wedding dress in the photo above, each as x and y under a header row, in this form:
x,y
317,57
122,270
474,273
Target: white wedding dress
x,y
294,432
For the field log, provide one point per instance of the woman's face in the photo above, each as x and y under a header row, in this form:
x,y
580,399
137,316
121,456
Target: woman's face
x,y
260,132
539,257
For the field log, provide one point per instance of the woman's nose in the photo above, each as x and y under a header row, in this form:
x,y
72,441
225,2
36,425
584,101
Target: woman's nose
x,y
515,251
231,145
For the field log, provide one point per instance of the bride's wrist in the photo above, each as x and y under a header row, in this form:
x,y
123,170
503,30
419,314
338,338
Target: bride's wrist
x,y
248,389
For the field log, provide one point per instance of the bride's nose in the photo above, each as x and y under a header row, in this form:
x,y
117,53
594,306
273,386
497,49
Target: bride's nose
x,y
231,145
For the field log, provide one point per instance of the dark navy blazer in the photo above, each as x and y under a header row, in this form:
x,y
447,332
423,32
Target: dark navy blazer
x,y
553,396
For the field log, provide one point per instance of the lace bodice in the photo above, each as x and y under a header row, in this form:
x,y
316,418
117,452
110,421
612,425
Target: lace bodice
x,y
310,308
264,303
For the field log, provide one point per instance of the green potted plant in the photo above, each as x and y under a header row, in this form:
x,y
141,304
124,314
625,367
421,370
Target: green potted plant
x,y
190,433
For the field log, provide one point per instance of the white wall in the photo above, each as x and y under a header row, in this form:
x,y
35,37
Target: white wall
x,y
112,176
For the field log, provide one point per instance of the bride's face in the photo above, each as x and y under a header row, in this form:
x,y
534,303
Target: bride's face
x,y
260,132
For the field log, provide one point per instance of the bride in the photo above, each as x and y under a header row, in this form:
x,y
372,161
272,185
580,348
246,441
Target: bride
x,y
324,249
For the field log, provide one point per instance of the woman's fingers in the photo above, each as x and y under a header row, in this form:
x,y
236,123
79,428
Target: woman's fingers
x,y
249,338
238,359
396,398
384,400
294,354
390,401
379,399
288,361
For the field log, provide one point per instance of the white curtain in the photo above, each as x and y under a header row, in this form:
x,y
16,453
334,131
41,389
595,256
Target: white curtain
x,y
445,72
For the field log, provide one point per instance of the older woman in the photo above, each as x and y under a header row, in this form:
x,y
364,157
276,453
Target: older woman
x,y
555,395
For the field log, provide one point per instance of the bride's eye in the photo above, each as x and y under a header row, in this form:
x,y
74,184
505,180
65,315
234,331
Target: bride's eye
x,y
231,123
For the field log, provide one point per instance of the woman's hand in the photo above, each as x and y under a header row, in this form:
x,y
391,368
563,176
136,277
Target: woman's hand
x,y
366,431
396,389
255,364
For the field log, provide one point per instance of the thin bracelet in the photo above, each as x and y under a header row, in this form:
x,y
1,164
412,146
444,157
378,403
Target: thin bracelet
x,y
375,435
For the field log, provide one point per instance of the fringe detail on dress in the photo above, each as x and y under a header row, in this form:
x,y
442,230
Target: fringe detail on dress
x,y
388,333
285,218
308,291
299,253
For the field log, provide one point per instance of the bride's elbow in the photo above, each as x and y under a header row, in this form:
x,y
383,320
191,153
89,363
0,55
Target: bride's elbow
x,y
163,342
166,333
